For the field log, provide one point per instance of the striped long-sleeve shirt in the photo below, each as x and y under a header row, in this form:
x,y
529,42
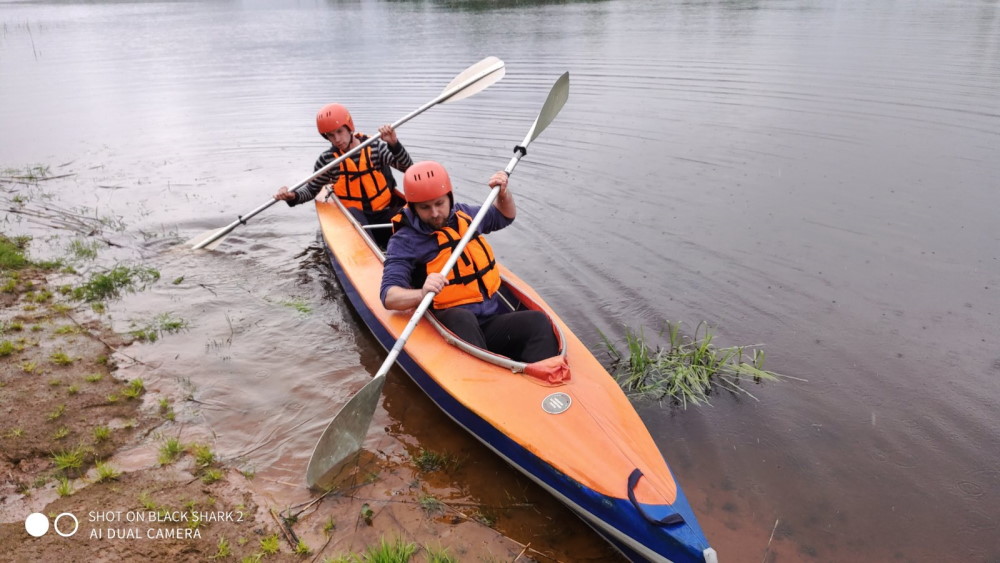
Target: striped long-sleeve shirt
x,y
383,156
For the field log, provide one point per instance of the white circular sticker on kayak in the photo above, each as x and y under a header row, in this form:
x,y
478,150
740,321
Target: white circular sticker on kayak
x,y
556,403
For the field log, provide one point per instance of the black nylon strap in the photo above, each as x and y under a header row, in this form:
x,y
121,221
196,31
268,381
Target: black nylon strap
x,y
668,520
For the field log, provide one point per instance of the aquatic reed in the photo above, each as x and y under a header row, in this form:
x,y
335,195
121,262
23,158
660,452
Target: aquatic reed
x,y
686,370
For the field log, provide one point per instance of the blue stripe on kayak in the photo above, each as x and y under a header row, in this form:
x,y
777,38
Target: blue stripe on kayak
x,y
684,542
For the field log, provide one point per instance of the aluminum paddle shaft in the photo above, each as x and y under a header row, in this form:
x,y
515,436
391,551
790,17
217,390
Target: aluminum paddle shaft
x,y
345,433
474,79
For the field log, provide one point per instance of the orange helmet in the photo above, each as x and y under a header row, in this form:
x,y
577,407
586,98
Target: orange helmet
x,y
425,181
332,117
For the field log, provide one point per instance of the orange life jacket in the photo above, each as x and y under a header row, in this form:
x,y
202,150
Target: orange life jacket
x,y
474,274
361,186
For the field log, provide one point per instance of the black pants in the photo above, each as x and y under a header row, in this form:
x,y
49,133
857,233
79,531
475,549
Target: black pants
x,y
524,336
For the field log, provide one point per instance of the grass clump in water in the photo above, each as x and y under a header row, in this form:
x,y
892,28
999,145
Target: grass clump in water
x,y
430,504
687,369
164,323
83,249
427,461
111,283
300,305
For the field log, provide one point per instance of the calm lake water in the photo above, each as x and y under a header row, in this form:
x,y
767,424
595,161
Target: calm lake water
x,y
817,177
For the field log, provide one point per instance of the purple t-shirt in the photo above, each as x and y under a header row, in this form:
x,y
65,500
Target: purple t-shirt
x,y
413,247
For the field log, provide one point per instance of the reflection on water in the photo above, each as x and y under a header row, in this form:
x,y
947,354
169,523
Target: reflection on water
x,y
819,178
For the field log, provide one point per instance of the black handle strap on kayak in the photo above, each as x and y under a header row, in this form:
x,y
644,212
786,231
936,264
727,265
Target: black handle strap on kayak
x,y
668,520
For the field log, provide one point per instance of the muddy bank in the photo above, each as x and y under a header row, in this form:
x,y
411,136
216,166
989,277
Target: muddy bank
x,y
118,476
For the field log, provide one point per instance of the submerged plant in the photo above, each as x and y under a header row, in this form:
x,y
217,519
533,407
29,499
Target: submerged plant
x,y
686,370
83,249
430,504
300,305
427,461
161,324
111,283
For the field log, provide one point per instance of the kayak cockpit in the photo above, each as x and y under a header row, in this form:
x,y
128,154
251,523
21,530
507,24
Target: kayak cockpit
x,y
552,371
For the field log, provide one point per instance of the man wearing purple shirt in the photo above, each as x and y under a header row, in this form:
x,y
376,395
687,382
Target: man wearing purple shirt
x,y
466,300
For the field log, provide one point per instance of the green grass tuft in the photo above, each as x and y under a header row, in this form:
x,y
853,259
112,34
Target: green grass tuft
x,y
106,473
64,488
440,555
170,451
57,412
203,456
133,389
61,358
302,549
223,550
395,551
102,433
12,253
270,544
211,475
70,459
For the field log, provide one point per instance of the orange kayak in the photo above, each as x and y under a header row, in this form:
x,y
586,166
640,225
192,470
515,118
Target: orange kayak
x,y
578,436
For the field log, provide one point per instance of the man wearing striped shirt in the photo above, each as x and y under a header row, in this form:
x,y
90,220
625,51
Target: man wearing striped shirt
x,y
363,182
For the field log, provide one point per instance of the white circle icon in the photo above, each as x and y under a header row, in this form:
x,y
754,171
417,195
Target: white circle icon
x,y
55,525
36,524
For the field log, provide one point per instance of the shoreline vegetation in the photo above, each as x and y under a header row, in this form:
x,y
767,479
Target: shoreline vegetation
x,y
76,439
66,417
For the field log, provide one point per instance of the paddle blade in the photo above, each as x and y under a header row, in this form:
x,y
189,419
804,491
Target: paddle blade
x,y
199,241
550,109
474,79
345,433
